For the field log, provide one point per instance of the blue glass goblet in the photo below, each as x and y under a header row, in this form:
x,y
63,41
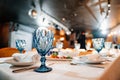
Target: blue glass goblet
x,y
20,44
98,44
43,40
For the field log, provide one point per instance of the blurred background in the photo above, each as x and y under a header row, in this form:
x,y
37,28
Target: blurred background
x,y
70,20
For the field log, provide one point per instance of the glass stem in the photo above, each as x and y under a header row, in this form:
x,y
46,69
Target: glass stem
x,y
43,59
20,51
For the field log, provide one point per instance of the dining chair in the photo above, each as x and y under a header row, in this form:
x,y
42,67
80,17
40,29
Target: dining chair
x,y
8,51
112,72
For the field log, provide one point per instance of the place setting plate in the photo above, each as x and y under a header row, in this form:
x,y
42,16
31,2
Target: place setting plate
x,y
98,63
86,60
16,63
94,61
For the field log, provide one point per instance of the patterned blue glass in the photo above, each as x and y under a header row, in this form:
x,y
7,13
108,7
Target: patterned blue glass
x,y
20,44
43,40
98,44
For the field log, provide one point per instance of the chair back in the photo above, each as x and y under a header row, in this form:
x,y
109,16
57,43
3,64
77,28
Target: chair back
x,y
7,52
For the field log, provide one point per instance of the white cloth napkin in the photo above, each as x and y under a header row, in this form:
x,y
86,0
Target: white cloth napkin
x,y
26,57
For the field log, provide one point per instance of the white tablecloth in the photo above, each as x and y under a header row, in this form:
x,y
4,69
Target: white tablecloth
x,y
62,70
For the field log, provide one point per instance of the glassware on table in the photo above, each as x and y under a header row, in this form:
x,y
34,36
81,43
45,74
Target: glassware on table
x,y
77,46
43,40
88,45
118,46
108,45
59,45
98,44
20,44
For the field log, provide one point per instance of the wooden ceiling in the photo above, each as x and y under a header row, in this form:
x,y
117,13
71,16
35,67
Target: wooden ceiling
x,y
74,14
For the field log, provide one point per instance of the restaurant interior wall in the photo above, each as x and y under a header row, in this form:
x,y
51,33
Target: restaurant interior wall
x,y
11,31
4,35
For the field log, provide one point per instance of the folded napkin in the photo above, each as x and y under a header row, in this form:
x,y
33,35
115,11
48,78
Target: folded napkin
x,y
26,57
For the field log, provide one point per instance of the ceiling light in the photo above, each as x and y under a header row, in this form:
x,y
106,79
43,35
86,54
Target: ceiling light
x,y
75,14
68,32
115,32
63,19
109,5
109,35
62,39
71,29
109,11
62,32
54,39
104,32
32,13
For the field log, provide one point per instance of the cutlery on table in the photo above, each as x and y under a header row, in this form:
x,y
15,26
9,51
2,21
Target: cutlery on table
x,y
91,65
27,68
24,69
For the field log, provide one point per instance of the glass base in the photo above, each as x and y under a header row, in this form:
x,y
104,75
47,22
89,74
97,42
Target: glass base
x,y
43,69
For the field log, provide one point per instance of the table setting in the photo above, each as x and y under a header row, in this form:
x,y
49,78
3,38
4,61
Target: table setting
x,y
55,62
92,56
101,53
26,59
74,56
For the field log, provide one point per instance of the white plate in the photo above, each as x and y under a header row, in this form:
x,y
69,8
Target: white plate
x,y
86,60
15,63
95,61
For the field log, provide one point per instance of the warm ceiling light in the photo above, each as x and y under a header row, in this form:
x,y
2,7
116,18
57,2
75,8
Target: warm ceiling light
x,y
75,14
54,39
62,39
68,32
63,19
109,35
109,11
62,32
71,29
32,13
115,32
104,31
109,5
